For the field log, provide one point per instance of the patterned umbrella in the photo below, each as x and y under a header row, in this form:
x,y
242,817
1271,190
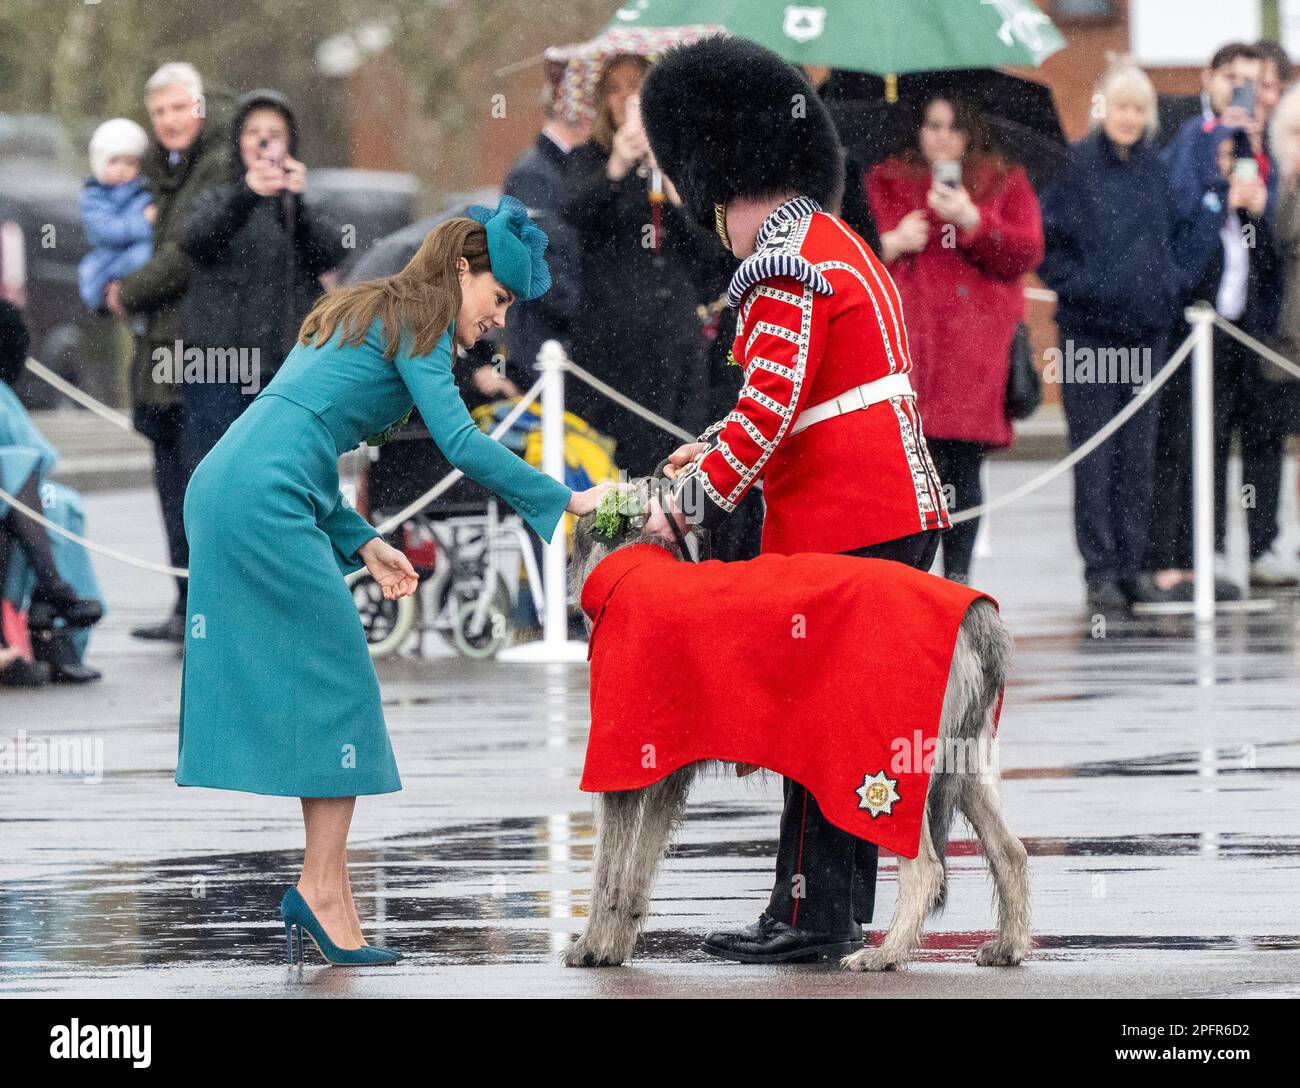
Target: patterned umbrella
x,y
880,36
573,70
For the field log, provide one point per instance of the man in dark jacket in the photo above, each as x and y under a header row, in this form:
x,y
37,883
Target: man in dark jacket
x,y
1225,189
258,251
1192,156
646,269
1233,261
186,156
538,178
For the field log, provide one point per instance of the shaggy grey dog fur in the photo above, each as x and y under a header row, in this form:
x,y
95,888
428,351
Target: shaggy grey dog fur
x,y
635,827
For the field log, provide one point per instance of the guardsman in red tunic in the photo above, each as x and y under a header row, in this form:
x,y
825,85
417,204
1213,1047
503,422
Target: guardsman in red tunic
x,y
826,418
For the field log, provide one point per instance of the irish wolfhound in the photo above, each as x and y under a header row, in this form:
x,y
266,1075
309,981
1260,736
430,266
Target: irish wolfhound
x,y
634,827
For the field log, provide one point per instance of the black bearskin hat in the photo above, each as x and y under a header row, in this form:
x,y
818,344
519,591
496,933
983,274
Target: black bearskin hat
x,y
728,118
14,342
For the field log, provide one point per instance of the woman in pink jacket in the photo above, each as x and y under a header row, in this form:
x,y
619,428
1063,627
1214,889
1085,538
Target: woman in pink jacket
x,y
959,228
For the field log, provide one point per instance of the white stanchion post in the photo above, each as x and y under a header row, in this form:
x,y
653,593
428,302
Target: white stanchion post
x,y
1201,318
555,644
551,363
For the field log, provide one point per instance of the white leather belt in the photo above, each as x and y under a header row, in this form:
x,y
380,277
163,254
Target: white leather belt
x,y
862,396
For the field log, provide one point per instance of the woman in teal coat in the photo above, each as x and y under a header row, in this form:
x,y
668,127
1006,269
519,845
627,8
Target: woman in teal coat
x,y
278,694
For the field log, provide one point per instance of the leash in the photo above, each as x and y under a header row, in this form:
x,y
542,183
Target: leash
x,y
680,538
664,486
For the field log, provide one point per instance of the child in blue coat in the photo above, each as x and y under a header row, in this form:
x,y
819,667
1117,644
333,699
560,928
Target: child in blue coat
x,y
116,209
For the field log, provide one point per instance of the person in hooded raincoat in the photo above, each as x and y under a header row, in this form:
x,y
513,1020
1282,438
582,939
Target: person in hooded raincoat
x,y
258,251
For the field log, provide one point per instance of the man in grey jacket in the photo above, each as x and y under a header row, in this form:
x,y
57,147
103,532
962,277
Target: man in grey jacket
x,y
186,156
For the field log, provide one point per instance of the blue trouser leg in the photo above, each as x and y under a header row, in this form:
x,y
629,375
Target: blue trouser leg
x,y
1087,409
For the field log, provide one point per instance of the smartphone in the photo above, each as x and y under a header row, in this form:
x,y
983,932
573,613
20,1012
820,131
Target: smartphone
x,y
947,173
273,149
1246,168
1244,96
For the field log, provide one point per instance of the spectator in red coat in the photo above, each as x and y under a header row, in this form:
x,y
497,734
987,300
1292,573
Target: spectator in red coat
x,y
959,227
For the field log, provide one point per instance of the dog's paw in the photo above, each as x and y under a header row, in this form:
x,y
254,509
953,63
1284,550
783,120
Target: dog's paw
x,y
999,953
582,954
871,959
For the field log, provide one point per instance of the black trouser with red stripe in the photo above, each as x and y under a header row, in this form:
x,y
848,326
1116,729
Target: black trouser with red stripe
x,y
825,877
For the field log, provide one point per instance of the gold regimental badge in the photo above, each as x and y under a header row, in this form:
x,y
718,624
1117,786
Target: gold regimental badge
x,y
878,794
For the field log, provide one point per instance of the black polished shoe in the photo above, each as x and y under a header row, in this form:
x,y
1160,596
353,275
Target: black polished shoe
x,y
1143,589
62,599
54,646
770,941
1226,590
21,673
74,674
172,629
1106,596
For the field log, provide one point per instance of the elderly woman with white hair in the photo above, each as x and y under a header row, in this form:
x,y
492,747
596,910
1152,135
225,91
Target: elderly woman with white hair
x,y
1109,231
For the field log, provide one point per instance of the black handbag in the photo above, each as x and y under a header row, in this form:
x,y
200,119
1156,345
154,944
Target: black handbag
x,y
1024,386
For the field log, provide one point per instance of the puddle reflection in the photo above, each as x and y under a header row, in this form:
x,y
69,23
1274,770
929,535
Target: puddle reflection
x,y
486,892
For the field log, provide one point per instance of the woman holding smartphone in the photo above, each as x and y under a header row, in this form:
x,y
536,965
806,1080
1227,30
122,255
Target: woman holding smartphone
x,y
959,228
278,694
257,253
646,269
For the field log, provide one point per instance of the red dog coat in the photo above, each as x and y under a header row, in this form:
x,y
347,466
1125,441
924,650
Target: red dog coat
x,y
828,669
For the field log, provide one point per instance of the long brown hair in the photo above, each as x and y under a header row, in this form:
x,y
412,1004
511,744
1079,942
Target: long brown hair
x,y
603,128
421,300
983,165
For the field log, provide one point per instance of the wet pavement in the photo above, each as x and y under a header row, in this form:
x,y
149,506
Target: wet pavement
x,y
1153,777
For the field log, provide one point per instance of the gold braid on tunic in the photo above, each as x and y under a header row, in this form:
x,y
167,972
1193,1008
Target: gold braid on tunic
x,y
720,225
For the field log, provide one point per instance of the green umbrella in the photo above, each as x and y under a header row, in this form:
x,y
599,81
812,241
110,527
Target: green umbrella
x,y
879,36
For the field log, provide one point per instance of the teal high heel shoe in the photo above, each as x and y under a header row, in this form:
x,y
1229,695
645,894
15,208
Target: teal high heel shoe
x,y
298,917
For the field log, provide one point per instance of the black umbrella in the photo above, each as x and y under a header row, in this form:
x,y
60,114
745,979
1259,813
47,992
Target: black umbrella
x,y
1021,115
1174,110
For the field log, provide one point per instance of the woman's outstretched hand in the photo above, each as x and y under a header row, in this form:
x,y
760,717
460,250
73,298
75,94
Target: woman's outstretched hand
x,y
390,568
584,502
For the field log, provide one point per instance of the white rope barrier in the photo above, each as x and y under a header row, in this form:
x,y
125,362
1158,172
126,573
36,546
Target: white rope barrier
x,y
455,475
415,506
385,527
84,399
627,402
1065,464
98,549
1256,346
554,371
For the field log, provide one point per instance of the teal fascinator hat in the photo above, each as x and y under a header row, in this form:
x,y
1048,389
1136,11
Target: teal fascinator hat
x,y
515,247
